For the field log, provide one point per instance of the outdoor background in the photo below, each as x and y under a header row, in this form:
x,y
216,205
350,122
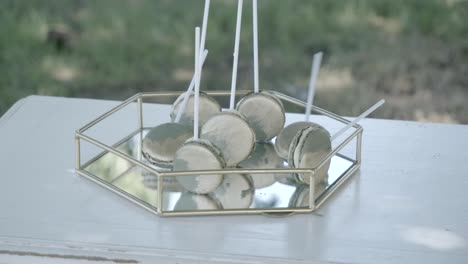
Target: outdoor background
x,y
414,53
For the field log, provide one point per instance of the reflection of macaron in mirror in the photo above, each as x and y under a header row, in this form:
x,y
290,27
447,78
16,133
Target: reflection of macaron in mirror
x,y
199,155
308,149
300,197
264,157
283,141
230,132
264,112
235,192
190,201
161,143
170,184
208,107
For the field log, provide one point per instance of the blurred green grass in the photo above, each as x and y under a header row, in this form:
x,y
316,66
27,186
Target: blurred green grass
x,y
413,53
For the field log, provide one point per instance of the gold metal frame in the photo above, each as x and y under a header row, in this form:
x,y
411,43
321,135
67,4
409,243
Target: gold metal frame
x,y
138,98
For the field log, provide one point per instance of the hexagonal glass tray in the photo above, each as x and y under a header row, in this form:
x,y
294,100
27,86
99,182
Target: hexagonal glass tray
x,y
108,152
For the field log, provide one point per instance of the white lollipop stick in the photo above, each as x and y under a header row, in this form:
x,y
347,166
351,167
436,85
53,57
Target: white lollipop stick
x,y
197,83
255,46
183,105
359,118
313,79
205,24
206,12
236,55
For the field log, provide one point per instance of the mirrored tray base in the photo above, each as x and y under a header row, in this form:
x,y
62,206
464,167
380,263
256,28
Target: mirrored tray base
x,y
115,162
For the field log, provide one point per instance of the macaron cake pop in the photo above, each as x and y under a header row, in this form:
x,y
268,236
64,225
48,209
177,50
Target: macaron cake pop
x,y
182,108
308,149
231,133
314,139
235,192
161,143
312,145
198,154
264,157
262,109
283,141
229,130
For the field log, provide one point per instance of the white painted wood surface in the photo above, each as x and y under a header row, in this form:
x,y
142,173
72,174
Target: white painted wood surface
x,y
408,203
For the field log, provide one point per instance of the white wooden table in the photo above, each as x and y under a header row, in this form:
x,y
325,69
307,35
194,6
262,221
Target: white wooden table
x,y
408,203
